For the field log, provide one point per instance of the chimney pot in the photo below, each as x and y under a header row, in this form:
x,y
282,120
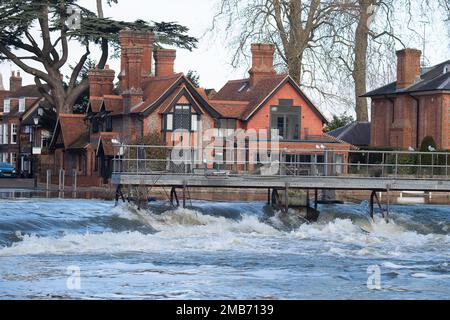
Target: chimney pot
x,y
15,82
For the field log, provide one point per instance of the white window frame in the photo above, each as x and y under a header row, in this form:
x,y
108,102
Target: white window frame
x,y
13,133
194,122
169,122
5,133
22,104
7,106
1,134
13,159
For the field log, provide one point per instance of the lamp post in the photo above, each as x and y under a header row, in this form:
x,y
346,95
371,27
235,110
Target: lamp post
x,y
35,148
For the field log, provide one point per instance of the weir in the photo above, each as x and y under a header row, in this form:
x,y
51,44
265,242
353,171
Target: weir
x,y
375,171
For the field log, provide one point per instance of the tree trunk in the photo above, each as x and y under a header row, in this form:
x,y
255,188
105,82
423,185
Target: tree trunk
x,y
294,66
359,73
100,9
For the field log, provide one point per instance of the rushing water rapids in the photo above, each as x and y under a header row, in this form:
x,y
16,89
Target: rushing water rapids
x,y
219,251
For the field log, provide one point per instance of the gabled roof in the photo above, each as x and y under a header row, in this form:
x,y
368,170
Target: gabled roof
x,y
436,78
105,142
165,92
355,133
30,91
72,127
259,94
155,88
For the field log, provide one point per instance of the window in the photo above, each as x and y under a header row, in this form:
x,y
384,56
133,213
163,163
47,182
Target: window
x,y
169,122
182,117
287,121
95,126
1,134
45,139
4,157
13,159
13,133
6,106
109,126
5,133
22,105
194,122
226,126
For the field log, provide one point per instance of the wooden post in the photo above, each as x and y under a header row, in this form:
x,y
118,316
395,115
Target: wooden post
x,y
184,194
49,179
316,196
268,197
74,182
286,198
372,196
61,180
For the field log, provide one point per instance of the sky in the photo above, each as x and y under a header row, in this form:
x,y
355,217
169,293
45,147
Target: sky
x,y
212,58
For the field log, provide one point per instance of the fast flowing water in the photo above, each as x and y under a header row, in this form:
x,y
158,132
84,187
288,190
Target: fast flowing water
x,y
89,249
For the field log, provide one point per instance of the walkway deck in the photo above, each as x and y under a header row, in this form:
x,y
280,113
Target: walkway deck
x,y
300,182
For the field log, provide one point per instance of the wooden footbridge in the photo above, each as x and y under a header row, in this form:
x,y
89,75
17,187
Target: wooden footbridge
x,y
309,170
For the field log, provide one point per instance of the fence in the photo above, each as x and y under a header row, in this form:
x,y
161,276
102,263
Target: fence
x,y
144,160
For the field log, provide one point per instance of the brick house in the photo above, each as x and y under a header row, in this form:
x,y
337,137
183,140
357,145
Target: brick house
x,y
164,101
18,133
415,106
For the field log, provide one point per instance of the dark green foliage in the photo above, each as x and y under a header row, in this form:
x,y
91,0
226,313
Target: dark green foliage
x,y
53,19
194,78
338,122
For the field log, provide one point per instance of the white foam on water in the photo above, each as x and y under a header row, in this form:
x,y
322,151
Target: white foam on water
x,y
189,230
430,276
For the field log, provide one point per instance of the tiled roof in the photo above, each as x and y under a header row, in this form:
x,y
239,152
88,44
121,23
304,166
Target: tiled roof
x,y
73,127
154,89
230,109
356,133
431,79
95,104
240,90
113,104
106,142
30,91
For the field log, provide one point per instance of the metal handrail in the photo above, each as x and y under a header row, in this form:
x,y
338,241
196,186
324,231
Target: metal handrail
x,y
138,159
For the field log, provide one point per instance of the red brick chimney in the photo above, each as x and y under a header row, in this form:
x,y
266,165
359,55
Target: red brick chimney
x,y
164,62
135,39
262,62
408,67
15,82
101,82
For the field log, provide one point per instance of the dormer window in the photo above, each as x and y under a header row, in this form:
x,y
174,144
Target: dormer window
x,y
447,68
6,106
22,105
182,117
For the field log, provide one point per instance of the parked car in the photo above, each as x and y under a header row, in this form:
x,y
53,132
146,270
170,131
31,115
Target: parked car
x,y
7,170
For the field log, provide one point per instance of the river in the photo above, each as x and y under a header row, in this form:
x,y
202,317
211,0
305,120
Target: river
x,y
90,249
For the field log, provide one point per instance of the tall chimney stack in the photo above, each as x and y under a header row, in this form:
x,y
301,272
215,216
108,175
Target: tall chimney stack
x,y
142,40
15,81
262,62
101,82
165,62
408,67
